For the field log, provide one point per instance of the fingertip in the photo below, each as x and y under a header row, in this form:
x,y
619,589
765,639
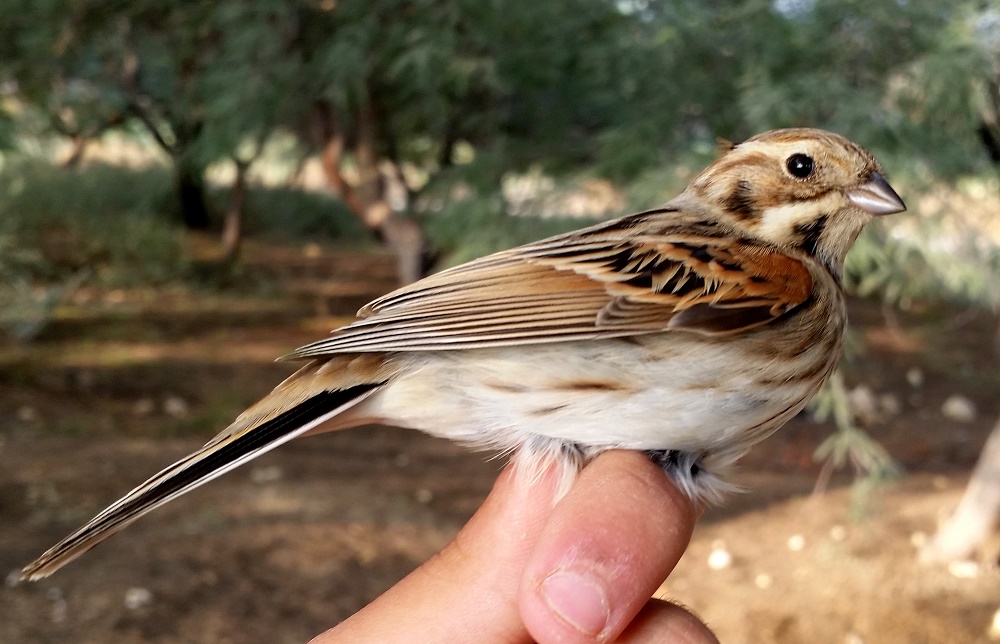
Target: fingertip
x,y
606,548
662,621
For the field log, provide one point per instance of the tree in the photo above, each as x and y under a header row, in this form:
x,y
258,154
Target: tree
x,y
200,78
404,84
375,85
977,512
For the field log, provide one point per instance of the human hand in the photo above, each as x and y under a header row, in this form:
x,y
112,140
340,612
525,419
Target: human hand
x,y
523,570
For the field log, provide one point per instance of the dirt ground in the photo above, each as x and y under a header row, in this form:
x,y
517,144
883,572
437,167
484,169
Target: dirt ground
x,y
123,383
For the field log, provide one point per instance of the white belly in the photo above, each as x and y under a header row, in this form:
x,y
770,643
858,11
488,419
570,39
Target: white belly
x,y
691,396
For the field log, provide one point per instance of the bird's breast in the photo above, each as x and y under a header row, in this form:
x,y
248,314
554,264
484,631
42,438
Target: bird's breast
x,y
673,390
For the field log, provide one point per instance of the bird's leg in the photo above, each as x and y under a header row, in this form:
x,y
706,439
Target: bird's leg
x,y
681,466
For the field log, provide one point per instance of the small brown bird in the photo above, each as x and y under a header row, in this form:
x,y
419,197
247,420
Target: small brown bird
x,y
691,332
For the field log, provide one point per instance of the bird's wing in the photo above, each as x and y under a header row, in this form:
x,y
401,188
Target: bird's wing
x,y
606,281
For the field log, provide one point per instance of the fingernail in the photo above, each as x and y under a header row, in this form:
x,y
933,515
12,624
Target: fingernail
x,y
578,599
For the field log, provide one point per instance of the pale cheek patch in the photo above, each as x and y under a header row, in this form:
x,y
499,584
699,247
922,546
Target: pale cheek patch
x,y
779,223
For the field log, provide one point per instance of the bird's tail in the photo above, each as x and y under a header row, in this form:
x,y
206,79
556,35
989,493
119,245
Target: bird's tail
x,y
313,395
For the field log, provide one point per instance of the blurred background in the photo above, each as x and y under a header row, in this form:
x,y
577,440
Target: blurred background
x,y
190,189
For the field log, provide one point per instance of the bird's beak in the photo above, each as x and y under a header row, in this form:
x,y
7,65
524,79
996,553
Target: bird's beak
x,y
876,196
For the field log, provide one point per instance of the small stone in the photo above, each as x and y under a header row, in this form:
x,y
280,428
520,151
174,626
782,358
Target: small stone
x,y
137,597
719,559
268,474
763,581
796,542
175,406
918,539
959,409
27,414
143,407
312,250
853,638
424,496
59,607
864,404
915,377
964,569
116,296
838,533
889,405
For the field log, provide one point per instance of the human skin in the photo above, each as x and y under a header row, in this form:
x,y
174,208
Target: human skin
x,y
525,569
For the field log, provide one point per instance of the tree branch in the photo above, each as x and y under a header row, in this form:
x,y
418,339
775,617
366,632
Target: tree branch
x,y
130,85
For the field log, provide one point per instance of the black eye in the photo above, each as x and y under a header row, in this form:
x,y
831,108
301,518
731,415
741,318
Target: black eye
x,y
800,165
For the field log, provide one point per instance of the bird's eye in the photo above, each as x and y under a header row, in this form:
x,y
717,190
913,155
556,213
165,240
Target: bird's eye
x,y
799,165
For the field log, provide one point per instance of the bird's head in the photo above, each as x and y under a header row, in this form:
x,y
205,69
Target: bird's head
x,y
800,187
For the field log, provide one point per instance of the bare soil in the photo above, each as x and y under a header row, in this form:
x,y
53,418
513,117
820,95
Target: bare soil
x,y
123,383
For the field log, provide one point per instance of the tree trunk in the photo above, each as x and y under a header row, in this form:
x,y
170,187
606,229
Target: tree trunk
x,y
190,186
977,512
332,151
232,225
406,240
77,151
368,201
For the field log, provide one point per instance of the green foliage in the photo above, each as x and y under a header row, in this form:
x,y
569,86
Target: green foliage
x,y
27,307
477,226
23,309
621,86
926,264
655,186
116,223
200,76
524,83
943,250
107,219
850,445
288,214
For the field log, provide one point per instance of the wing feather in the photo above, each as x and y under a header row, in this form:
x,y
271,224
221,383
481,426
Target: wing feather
x,y
606,281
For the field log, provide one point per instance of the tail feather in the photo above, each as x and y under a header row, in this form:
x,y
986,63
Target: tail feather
x,y
232,448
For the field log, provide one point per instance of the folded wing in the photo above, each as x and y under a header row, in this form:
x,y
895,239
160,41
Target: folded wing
x,y
607,281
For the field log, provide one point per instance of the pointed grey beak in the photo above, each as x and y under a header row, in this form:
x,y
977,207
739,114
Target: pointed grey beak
x,y
876,196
